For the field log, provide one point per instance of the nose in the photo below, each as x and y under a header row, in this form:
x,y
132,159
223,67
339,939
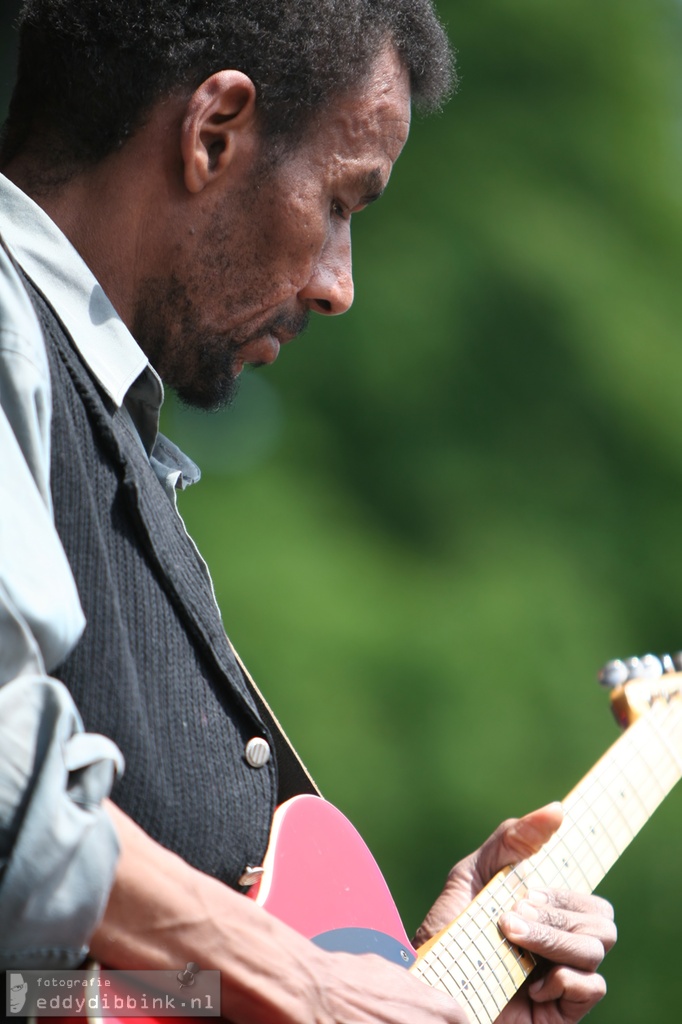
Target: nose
x,y
329,289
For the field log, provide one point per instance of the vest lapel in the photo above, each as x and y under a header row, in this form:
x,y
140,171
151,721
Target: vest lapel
x,y
164,537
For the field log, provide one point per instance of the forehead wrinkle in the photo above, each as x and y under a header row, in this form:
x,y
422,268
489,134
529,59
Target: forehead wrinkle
x,y
361,122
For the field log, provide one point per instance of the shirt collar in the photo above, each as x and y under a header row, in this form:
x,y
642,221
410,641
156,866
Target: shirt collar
x,y
47,256
104,342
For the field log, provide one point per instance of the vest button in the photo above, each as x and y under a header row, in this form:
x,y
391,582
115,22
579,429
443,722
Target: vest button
x,y
257,752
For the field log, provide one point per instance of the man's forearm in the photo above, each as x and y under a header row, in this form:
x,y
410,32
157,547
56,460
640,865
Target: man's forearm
x,y
163,913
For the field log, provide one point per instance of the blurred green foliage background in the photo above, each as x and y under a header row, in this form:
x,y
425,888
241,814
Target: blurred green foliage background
x,y
433,520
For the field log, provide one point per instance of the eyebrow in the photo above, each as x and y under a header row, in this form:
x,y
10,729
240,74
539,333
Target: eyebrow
x,y
371,186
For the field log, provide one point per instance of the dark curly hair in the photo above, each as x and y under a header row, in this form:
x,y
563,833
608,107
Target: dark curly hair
x,y
89,71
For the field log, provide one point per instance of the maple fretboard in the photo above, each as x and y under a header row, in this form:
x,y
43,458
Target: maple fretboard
x,y
471,960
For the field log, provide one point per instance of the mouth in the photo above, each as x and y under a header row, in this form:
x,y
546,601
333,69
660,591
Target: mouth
x,y
264,348
257,352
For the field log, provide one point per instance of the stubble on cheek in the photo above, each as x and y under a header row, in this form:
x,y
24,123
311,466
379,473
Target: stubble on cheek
x,y
199,364
237,279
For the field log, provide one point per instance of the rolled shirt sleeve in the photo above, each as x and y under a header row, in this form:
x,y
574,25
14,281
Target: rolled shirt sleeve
x,y
58,847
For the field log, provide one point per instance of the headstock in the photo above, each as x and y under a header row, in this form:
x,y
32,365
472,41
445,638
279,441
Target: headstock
x,y
636,684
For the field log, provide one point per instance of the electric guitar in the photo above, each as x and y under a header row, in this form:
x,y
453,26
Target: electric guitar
x,y
320,878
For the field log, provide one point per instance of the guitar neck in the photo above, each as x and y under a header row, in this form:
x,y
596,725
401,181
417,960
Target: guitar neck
x,y
471,960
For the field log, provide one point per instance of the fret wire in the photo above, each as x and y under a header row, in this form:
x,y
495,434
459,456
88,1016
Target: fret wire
x,y
516,892
469,998
570,871
588,847
479,967
456,989
602,815
473,945
502,952
666,744
607,811
575,811
608,769
444,950
654,771
493,976
476,911
500,944
520,889
594,777
645,725
468,994
595,781
631,774
492,972
510,952
609,774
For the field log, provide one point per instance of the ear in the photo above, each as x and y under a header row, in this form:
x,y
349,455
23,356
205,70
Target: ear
x,y
220,115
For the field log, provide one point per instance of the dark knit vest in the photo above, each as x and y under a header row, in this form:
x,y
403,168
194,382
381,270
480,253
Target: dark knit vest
x,y
153,670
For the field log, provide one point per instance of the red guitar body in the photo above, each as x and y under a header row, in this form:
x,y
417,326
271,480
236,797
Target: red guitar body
x,y
321,879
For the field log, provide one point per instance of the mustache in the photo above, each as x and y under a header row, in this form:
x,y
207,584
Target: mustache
x,y
287,325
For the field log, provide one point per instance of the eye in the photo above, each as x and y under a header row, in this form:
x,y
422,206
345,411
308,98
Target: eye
x,y
338,209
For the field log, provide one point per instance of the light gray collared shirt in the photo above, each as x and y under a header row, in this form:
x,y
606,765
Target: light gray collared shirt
x,y
58,849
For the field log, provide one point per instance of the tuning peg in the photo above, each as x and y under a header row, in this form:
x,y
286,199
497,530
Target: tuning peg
x,y
634,667
677,660
667,663
650,667
613,674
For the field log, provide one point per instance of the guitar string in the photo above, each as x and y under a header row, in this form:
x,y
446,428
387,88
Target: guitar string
x,y
484,971
472,994
579,795
595,779
637,756
521,882
585,795
494,894
468,987
668,746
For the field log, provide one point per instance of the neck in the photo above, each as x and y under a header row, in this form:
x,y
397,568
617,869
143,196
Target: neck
x,y
471,959
110,212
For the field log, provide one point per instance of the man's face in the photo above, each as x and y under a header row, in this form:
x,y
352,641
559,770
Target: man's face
x,y
275,246
17,992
